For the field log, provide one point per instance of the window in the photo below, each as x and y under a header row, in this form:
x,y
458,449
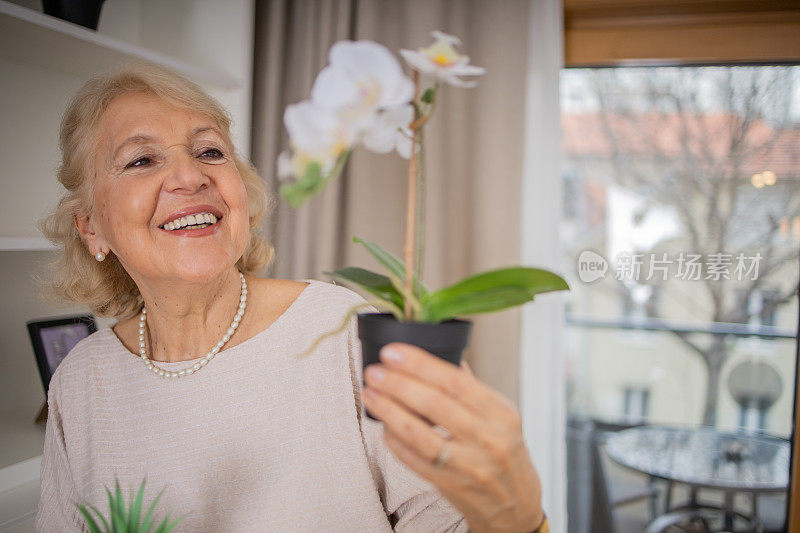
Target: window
x,y
679,177
753,413
636,401
759,306
684,182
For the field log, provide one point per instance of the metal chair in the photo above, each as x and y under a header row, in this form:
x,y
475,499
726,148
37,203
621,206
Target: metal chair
x,y
608,497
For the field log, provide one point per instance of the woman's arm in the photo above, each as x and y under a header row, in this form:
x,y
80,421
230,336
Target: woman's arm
x,y
57,510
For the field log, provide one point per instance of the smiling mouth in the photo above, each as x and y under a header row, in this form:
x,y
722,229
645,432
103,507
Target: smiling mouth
x,y
191,222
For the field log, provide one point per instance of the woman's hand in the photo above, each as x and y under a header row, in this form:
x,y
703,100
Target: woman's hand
x,y
488,475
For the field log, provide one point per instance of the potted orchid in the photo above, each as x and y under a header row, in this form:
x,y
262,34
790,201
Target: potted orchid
x,y
362,97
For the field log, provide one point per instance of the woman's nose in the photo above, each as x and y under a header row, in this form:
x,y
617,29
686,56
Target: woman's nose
x,y
185,174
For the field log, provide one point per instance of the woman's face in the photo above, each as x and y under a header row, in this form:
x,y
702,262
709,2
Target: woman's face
x,y
168,201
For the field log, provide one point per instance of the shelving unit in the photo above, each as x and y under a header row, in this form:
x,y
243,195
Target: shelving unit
x,y
38,39
43,61
23,244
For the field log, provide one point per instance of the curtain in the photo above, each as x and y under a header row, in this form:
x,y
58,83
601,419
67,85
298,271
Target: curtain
x,y
474,153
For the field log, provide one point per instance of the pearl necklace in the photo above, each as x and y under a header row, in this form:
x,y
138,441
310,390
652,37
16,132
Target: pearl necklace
x,y
217,347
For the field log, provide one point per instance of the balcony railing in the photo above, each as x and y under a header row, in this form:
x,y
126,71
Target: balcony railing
x,y
679,326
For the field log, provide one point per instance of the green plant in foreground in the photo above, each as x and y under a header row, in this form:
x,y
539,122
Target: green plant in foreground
x,y
126,520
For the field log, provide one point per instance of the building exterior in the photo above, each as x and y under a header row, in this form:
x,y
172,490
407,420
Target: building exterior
x,y
647,192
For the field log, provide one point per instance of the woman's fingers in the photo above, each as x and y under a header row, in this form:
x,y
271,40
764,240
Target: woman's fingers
x,y
454,479
425,400
415,434
469,391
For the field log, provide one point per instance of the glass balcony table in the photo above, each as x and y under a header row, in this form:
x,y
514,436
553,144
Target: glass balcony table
x,y
706,458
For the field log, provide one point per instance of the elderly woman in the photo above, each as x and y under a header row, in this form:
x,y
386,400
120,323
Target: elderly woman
x,y
198,389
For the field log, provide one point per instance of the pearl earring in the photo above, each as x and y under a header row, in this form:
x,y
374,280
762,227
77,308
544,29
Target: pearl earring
x,y
99,256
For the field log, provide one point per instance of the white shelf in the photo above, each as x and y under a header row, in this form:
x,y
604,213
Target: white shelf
x,y
20,473
25,244
35,38
18,507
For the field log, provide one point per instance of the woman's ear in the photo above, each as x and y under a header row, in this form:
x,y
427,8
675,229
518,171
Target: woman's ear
x,y
89,234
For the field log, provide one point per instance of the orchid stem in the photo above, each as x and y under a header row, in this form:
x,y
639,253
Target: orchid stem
x,y
420,205
426,116
411,206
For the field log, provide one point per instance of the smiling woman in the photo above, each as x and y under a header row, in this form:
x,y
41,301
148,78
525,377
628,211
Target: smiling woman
x,y
159,228
112,102
170,157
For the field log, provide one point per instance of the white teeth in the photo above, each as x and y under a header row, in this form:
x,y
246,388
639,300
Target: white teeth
x,y
197,219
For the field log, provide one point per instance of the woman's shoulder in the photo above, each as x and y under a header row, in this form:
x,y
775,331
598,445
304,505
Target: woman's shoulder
x,y
315,303
337,299
318,294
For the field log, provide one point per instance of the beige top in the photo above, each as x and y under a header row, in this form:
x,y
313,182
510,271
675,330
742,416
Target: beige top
x,y
257,440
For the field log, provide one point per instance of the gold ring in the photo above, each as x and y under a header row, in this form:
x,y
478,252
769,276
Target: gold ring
x,y
444,455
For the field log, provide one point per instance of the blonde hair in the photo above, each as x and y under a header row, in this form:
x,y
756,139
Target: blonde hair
x,y
105,287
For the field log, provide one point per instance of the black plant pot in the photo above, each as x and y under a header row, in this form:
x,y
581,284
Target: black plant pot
x,y
83,12
446,340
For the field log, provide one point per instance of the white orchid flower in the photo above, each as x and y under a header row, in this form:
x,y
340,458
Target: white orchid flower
x,y
441,60
390,130
316,135
362,78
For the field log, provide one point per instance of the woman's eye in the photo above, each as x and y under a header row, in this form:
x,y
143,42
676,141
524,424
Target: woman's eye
x,y
140,162
212,153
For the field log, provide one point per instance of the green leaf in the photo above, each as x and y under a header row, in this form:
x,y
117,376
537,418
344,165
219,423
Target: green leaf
x,y
393,264
312,182
119,500
116,505
90,523
490,291
117,521
134,518
428,96
484,301
166,527
372,282
148,522
100,515
304,188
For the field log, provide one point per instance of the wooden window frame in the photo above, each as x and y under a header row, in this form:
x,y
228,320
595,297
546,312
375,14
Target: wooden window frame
x,y
653,32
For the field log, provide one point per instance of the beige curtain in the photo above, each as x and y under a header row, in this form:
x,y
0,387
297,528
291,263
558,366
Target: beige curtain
x,y
473,152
